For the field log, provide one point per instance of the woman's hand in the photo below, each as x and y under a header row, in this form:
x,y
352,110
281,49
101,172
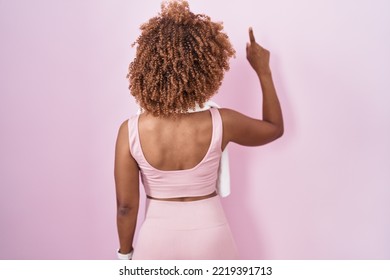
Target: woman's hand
x,y
257,56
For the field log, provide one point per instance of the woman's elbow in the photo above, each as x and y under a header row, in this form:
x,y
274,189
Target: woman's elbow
x,y
125,209
279,132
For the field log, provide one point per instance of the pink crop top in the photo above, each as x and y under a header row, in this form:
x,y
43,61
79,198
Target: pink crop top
x,y
197,181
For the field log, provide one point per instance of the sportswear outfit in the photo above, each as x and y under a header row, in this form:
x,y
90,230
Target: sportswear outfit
x,y
189,229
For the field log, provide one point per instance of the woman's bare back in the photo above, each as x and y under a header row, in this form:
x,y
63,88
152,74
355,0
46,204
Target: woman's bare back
x,y
175,144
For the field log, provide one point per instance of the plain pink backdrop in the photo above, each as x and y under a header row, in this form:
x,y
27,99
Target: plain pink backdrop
x,y
319,192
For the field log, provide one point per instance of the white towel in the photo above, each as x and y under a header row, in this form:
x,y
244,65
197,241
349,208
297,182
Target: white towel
x,y
223,182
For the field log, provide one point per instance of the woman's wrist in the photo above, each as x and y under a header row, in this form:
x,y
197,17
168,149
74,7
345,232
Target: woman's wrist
x,y
264,74
122,256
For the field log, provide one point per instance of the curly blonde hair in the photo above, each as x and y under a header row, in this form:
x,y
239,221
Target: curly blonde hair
x,y
180,60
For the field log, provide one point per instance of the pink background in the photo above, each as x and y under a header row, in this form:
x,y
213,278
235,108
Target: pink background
x,y
319,192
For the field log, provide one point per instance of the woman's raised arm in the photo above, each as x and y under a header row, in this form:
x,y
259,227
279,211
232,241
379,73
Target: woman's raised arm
x,y
247,131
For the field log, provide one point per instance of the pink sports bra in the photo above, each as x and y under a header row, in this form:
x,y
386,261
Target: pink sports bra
x,y
197,181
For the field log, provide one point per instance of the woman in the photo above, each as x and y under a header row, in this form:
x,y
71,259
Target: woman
x,y
180,63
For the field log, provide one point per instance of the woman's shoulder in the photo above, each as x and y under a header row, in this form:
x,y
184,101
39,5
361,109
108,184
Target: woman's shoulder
x,y
127,126
228,114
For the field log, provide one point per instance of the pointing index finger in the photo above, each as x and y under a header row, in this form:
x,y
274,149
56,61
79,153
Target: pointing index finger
x,y
251,36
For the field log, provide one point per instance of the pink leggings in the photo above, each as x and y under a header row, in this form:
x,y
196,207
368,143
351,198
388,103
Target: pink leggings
x,y
185,230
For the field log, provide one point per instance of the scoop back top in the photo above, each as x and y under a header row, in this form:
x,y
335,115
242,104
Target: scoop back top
x,y
197,181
